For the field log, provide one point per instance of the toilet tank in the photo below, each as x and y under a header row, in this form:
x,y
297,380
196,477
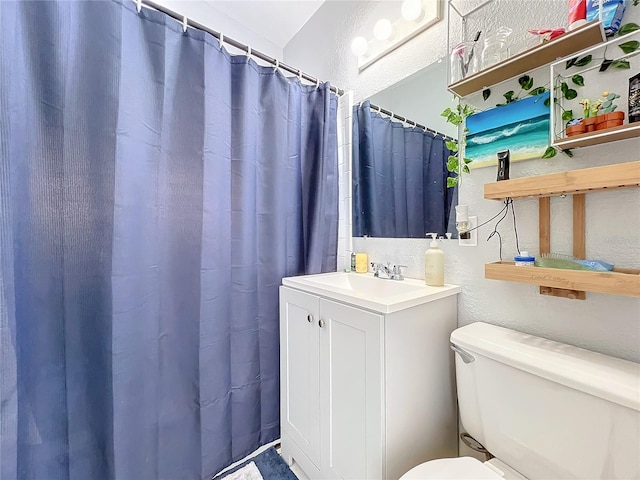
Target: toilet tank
x,y
548,410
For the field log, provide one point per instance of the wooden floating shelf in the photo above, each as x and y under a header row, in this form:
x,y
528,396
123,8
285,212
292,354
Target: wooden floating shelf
x,y
569,43
629,130
619,175
621,282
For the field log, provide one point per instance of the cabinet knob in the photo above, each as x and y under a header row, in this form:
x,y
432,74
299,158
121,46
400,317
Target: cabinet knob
x,y
321,323
309,318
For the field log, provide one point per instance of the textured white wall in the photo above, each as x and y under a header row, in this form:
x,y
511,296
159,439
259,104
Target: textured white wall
x,y
205,12
603,323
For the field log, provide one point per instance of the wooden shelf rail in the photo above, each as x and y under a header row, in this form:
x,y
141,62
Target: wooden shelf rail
x,y
622,282
619,175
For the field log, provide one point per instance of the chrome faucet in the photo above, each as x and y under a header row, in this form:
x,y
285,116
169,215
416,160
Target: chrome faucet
x,y
381,270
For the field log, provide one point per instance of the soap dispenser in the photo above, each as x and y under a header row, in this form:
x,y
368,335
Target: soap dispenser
x,y
434,263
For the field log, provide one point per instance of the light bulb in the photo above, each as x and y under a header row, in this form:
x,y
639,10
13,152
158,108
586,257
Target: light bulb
x,y
411,10
383,29
359,46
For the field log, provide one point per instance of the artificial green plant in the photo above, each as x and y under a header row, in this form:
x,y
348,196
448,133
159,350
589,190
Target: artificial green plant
x,y
456,117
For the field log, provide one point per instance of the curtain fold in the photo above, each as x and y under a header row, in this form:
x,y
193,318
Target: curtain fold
x,y
154,190
399,178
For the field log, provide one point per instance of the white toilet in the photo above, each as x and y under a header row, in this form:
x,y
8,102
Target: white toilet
x,y
546,410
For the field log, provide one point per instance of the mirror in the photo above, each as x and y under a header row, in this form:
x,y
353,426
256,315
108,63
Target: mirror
x,y
421,97
399,170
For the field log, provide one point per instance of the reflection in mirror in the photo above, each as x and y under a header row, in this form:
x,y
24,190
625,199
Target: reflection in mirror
x,y
399,160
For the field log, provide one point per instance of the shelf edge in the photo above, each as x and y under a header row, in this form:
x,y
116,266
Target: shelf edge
x,y
617,175
614,283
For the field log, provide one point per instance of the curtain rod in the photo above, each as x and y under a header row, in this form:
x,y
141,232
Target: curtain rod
x,y
406,120
234,43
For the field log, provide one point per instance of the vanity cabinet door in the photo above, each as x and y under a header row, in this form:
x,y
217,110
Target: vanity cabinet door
x,y
351,392
299,372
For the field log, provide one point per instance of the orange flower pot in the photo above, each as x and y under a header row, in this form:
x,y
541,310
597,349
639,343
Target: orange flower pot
x,y
576,129
609,120
590,124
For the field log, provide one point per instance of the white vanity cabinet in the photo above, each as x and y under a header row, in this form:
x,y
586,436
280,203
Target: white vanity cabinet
x,y
365,394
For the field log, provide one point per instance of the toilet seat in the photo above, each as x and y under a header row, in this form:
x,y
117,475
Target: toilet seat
x,y
461,468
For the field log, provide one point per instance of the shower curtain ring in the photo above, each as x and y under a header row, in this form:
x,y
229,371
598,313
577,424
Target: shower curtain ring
x,y
300,75
248,52
317,83
275,68
138,6
221,39
185,24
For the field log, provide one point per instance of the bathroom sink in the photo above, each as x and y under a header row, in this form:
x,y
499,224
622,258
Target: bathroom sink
x,y
366,291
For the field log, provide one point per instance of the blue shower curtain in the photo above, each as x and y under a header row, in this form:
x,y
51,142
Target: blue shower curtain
x,y
154,190
399,178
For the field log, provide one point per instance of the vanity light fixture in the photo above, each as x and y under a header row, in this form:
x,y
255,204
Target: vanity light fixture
x,y
411,10
383,29
414,18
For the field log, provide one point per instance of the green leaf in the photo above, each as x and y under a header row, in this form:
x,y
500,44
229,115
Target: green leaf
x,y
526,82
583,61
537,91
628,27
467,161
451,145
564,87
578,80
452,163
465,169
547,102
567,115
550,152
571,62
468,110
622,64
630,46
509,96
446,112
568,153
605,64
501,104
486,93
571,94
452,182
606,104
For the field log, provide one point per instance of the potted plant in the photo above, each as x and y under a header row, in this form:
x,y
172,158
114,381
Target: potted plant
x,y
607,116
590,110
575,127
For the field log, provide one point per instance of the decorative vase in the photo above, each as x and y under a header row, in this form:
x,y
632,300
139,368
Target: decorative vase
x,y
609,120
576,129
590,124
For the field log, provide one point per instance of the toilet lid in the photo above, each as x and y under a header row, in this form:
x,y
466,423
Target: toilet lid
x,y
461,468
